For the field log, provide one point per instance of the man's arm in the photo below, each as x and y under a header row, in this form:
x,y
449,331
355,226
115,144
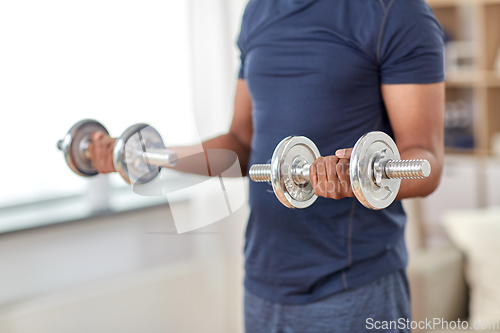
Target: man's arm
x,y
416,113
193,159
238,139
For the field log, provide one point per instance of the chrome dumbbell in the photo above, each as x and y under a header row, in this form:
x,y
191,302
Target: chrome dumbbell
x,y
138,153
375,170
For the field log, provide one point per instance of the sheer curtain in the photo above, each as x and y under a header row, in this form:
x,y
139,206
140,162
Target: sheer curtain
x,y
214,28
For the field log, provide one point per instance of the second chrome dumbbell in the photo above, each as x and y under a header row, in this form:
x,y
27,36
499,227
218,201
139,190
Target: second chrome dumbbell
x,y
138,153
375,170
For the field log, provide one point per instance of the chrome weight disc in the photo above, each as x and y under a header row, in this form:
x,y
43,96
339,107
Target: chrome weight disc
x,y
75,145
289,192
371,149
128,153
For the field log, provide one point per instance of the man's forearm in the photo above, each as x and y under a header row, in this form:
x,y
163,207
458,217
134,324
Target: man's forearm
x,y
425,186
195,159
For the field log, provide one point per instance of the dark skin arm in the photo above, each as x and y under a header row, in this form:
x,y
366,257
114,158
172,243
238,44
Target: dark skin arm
x,y
416,113
193,159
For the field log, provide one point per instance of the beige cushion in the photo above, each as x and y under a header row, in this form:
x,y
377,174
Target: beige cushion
x,y
437,284
477,234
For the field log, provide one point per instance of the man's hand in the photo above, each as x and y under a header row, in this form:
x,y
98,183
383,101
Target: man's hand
x,y
101,152
330,175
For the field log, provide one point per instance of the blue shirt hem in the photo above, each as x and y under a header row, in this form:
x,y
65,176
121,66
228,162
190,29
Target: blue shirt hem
x,y
354,276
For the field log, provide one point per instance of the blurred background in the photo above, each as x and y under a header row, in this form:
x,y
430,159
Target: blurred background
x,y
88,254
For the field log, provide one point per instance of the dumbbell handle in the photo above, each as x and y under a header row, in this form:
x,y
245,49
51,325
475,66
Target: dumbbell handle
x,y
160,157
157,157
394,169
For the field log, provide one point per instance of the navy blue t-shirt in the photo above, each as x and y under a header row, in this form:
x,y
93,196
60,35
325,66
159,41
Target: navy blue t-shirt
x,y
314,68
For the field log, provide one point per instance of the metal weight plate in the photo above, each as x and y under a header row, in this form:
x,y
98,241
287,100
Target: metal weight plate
x,y
365,153
290,193
128,150
75,144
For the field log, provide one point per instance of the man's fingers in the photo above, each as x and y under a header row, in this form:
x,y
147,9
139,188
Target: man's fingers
x,y
344,178
344,153
110,167
320,177
101,152
313,176
96,136
332,187
329,177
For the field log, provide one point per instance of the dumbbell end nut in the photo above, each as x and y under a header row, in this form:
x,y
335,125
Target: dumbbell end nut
x,y
260,173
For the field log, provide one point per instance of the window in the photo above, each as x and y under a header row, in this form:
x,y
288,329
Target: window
x,y
119,62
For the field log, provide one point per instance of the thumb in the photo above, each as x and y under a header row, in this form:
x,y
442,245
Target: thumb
x,y
96,136
344,153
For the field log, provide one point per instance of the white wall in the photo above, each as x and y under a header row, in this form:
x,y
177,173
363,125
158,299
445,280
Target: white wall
x,y
125,273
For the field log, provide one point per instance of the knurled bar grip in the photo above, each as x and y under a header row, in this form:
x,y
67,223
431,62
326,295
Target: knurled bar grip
x,y
260,173
407,169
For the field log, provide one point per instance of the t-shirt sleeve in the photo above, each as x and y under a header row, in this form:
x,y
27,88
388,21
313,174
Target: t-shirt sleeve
x,y
411,44
241,74
242,39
